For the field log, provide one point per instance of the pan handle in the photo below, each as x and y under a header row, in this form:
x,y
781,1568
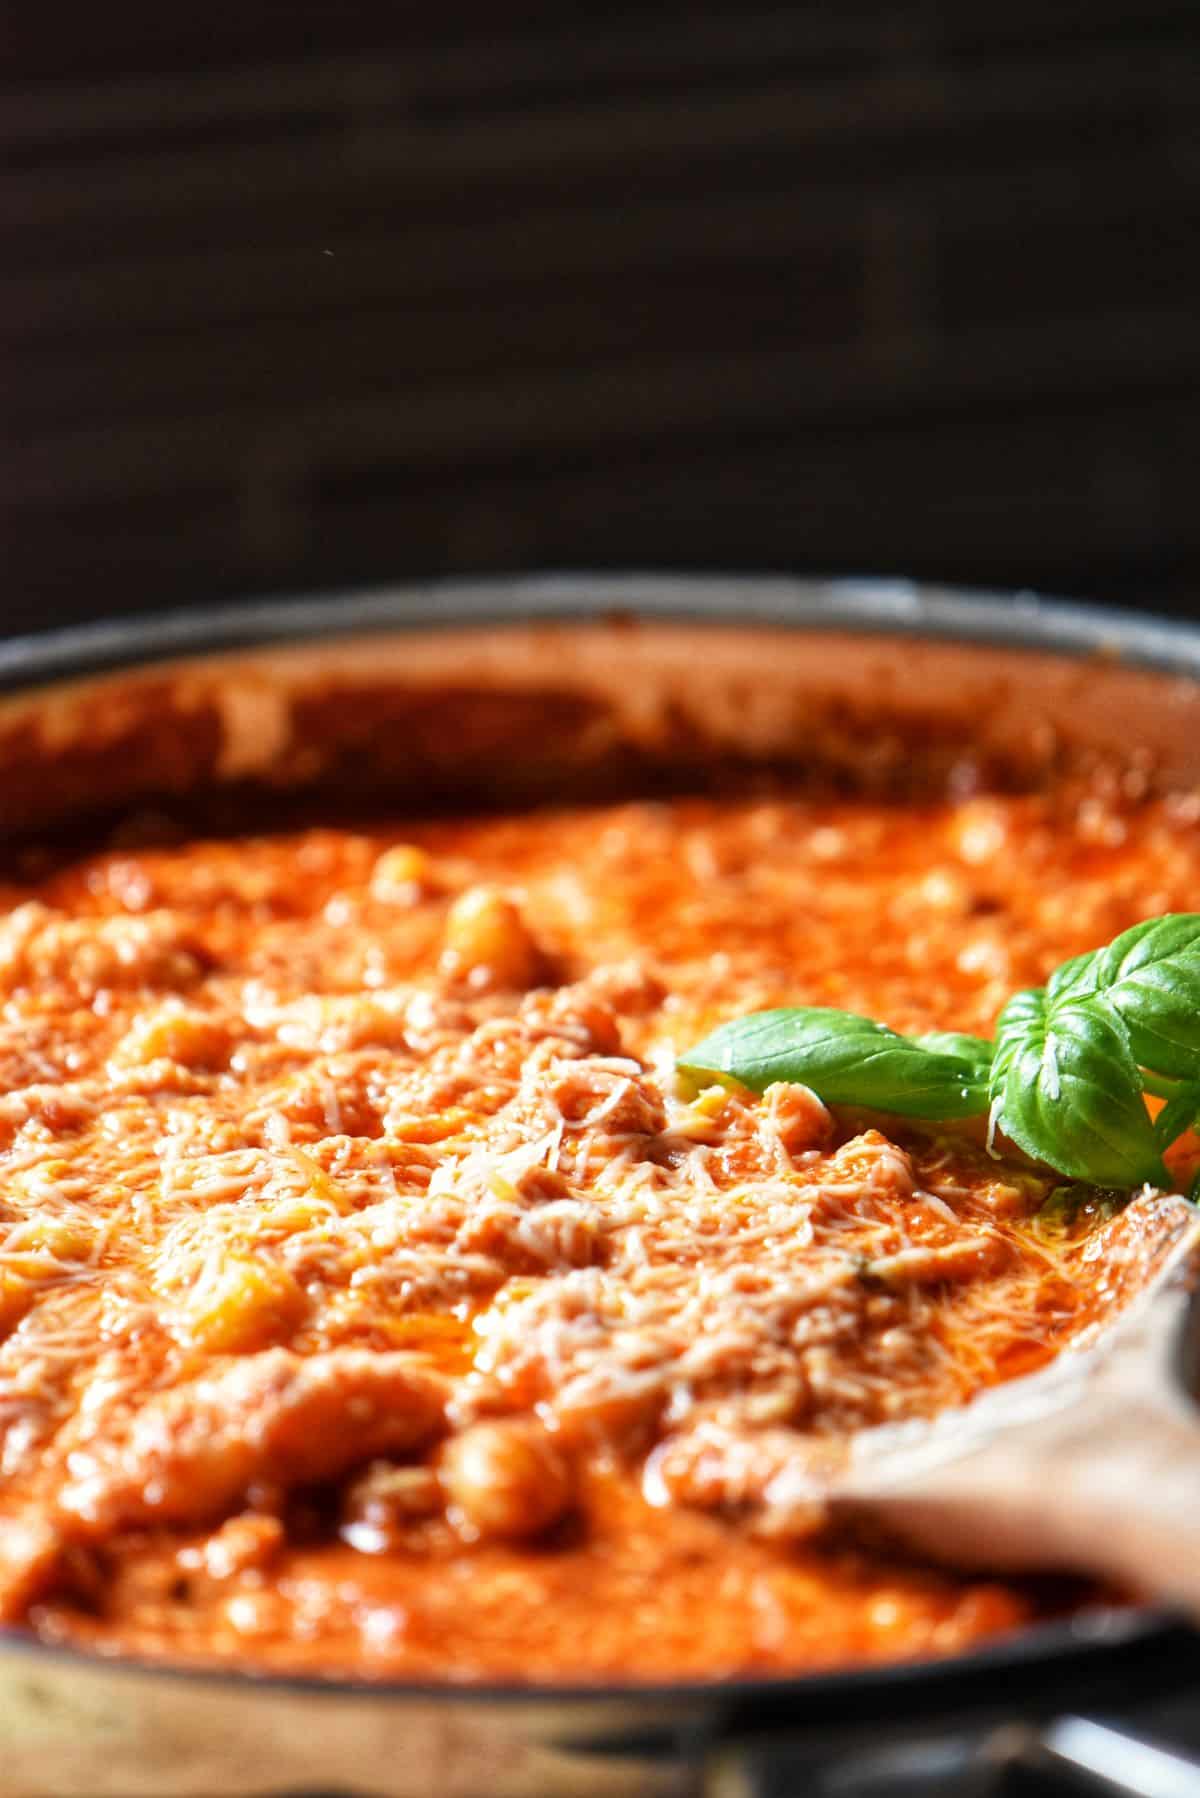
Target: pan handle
x,y
1101,1759
1078,1754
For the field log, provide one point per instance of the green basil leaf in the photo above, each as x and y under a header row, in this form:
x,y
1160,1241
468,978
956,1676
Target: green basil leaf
x,y
1023,1016
974,1051
1066,1089
1077,976
845,1059
1150,976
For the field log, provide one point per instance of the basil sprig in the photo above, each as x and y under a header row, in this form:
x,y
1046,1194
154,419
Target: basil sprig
x,y
847,1060
1065,1078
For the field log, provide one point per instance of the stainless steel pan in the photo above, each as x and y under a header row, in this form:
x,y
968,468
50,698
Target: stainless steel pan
x,y
637,677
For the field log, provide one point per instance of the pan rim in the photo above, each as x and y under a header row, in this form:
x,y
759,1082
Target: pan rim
x,y
867,606
1089,1634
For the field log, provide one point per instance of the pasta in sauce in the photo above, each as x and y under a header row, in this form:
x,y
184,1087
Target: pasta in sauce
x,y
373,1297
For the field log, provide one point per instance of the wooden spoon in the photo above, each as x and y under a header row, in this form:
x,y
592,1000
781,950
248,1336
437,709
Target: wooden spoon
x,y
1091,1465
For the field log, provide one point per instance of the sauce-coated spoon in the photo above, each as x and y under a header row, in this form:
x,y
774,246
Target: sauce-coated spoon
x,y
1091,1464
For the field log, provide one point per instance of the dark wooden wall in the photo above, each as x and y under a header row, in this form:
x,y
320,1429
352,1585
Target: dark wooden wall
x,y
295,295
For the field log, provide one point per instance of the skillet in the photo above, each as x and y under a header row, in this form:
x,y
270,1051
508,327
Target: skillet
x,y
1044,675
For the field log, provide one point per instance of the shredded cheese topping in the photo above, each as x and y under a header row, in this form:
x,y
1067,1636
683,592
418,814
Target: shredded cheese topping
x,y
294,1128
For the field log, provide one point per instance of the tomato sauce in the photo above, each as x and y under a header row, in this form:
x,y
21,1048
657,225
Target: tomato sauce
x,y
375,1298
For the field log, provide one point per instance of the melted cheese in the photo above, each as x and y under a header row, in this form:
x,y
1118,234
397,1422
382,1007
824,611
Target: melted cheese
x,y
267,1153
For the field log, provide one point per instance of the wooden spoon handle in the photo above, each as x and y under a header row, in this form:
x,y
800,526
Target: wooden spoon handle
x,y
1105,1479
1117,1495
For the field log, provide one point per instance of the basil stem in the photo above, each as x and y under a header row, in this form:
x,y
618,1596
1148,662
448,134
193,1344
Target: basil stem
x,y
1177,1115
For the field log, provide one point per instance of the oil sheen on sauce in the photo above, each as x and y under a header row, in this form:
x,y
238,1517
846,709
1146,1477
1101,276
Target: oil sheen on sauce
x,y
374,1299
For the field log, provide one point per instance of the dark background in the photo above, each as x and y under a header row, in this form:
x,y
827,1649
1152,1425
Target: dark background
x,y
313,294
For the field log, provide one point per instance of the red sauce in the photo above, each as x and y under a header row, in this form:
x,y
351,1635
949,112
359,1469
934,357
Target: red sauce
x,y
373,1298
